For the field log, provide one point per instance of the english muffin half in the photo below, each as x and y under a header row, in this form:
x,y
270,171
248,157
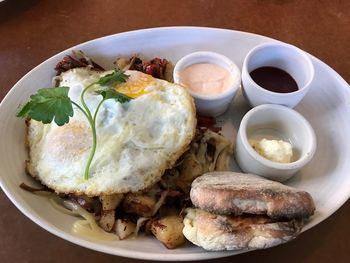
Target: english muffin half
x,y
244,211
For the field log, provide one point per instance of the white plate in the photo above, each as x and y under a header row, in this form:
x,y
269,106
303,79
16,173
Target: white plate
x,y
326,106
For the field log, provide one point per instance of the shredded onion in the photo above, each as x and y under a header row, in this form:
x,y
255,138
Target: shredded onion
x,y
44,191
221,144
160,202
88,226
57,203
140,222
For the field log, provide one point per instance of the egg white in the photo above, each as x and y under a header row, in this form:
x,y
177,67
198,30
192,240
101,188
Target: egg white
x,y
136,141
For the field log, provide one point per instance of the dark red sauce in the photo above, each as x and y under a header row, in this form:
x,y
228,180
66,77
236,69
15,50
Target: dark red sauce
x,y
274,79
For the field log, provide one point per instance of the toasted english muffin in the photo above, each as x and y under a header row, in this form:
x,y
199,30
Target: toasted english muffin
x,y
238,193
225,232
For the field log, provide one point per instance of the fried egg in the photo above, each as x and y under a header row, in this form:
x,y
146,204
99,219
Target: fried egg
x,y
136,141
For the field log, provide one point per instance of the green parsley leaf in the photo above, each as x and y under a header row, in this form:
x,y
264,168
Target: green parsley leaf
x,y
117,76
113,94
48,104
23,113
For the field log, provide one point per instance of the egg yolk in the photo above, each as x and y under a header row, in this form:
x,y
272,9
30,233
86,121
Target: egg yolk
x,y
135,85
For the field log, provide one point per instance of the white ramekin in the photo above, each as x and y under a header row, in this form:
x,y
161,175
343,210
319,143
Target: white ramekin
x,y
216,104
283,56
282,123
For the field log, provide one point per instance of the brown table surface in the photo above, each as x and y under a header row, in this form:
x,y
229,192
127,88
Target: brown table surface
x,y
32,31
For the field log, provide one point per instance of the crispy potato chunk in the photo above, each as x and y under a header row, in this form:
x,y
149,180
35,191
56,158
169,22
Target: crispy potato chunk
x,y
124,228
190,169
168,230
122,63
139,204
111,202
209,152
107,220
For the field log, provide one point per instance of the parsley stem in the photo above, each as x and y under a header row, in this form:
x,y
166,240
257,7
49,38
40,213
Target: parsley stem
x,y
92,151
94,139
97,109
80,108
87,110
93,129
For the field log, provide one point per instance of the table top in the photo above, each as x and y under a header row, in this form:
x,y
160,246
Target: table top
x,y
33,31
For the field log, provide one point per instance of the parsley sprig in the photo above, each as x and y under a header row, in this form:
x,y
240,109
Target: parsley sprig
x,y
54,104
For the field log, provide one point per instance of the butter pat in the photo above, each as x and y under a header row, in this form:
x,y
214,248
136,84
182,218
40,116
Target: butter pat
x,y
274,150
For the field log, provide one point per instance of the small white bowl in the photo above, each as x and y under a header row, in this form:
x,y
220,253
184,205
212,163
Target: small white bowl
x,y
289,58
280,123
216,104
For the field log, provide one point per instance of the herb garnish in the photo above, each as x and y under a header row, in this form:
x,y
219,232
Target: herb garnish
x,y
54,104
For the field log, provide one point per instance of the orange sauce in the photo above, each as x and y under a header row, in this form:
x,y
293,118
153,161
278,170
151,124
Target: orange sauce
x,y
205,79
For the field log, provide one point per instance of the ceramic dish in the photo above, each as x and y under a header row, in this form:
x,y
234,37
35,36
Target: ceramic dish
x,y
326,107
212,105
275,122
283,56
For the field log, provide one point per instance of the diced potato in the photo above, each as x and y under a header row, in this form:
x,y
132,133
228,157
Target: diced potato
x,y
189,170
124,228
168,230
122,63
111,202
139,204
168,74
107,219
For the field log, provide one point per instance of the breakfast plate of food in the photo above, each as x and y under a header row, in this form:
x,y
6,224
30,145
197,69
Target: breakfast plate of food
x,y
175,144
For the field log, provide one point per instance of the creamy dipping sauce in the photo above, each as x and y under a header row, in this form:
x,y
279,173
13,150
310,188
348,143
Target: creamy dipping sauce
x,y
206,79
275,150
